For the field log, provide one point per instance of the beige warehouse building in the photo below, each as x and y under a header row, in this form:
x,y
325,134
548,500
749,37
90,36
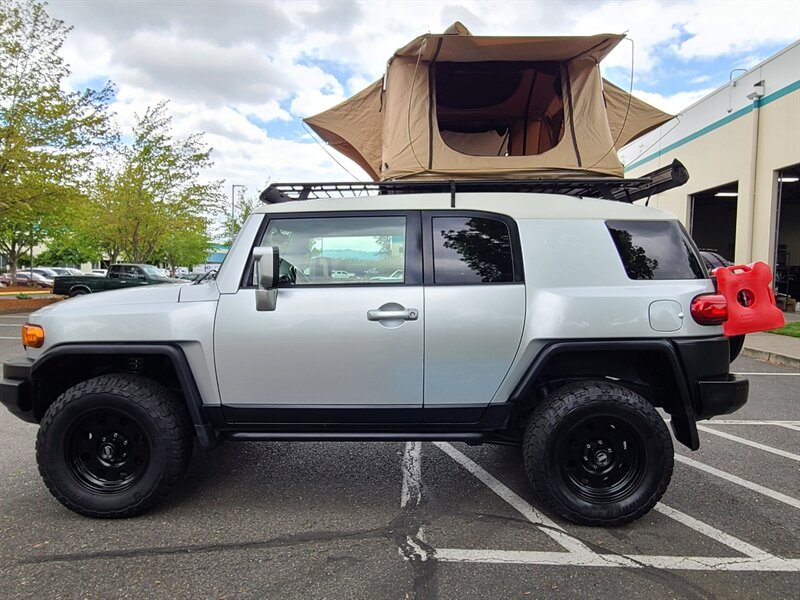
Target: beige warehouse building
x,y
741,146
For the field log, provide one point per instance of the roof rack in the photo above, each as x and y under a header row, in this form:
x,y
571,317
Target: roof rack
x,y
608,188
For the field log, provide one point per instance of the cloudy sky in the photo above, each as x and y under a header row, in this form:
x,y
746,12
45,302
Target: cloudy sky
x,y
246,72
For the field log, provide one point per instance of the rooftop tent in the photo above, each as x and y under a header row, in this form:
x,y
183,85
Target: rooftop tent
x,y
462,106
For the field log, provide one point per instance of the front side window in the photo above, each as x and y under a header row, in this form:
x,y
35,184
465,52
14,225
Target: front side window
x,y
655,250
339,250
468,250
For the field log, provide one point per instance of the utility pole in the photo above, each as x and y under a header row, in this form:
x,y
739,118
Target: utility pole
x,y
233,198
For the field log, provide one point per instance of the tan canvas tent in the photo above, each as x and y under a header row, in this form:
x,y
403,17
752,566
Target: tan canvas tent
x,y
456,106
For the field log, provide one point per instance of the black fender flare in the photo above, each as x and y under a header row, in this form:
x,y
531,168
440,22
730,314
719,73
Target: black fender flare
x,y
683,422
206,434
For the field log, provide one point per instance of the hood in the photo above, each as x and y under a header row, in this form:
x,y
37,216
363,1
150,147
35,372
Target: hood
x,y
150,294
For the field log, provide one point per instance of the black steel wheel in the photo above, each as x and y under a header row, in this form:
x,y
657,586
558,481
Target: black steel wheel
x,y
598,453
113,446
108,451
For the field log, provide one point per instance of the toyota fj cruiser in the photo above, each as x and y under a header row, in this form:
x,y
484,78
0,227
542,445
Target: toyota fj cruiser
x,y
524,313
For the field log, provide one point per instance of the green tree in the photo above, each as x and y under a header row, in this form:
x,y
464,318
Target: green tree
x,y
185,246
153,189
48,136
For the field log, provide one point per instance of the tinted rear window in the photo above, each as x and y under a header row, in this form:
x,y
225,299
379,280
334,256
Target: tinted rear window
x,y
469,250
655,250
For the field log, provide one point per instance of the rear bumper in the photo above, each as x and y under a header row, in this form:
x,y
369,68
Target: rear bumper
x,y
15,388
706,364
721,396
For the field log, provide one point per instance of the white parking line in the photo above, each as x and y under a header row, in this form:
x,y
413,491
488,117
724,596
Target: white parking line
x,y
713,532
578,554
411,492
789,426
681,563
768,374
547,526
764,447
751,422
9,325
739,481
16,337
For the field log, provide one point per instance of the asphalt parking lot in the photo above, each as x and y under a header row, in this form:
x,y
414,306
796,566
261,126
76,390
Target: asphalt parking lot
x,y
394,520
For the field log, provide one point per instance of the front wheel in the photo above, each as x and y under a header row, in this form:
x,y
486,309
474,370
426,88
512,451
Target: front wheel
x,y
113,446
598,453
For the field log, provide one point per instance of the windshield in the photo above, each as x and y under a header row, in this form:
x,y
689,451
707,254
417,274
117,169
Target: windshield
x,y
153,272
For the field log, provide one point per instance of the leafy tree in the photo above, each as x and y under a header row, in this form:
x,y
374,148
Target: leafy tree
x,y
185,246
48,136
153,189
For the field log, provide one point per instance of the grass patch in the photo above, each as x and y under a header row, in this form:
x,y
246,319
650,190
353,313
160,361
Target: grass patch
x,y
792,329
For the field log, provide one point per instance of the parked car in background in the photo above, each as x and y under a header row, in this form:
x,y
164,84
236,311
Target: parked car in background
x,y
64,270
46,272
24,279
118,277
396,276
714,259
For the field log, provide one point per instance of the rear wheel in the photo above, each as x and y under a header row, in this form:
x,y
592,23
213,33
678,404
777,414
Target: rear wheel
x,y
78,292
598,453
113,446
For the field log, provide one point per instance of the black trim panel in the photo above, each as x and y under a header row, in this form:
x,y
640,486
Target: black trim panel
x,y
363,419
15,388
205,434
722,396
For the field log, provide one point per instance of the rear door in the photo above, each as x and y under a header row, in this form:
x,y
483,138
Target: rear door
x,y
474,305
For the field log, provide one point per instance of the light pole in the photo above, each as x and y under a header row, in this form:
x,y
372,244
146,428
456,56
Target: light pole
x,y
233,187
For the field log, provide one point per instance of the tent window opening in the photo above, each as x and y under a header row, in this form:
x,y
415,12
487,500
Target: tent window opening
x,y
499,108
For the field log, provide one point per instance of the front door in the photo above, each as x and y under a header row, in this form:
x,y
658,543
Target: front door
x,y
348,327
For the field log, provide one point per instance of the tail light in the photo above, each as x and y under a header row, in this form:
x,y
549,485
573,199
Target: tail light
x,y
710,309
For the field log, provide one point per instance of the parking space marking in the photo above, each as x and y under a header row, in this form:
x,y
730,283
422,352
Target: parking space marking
x,y
739,481
579,555
751,422
547,526
712,532
769,374
740,440
411,492
681,563
9,325
16,337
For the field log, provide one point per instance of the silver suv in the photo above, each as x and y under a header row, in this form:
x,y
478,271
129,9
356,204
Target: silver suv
x,y
557,322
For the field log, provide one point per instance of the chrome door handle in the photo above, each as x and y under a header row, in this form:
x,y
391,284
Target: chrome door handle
x,y
408,314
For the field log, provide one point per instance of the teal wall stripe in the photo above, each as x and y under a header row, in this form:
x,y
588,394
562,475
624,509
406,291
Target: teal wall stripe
x,y
793,87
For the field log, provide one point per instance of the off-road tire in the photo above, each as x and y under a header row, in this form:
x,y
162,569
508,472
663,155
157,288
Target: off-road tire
x,y
140,418
562,453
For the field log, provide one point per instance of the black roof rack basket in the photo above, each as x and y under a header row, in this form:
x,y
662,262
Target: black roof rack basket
x,y
609,188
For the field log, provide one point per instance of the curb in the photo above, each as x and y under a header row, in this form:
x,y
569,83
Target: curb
x,y
772,357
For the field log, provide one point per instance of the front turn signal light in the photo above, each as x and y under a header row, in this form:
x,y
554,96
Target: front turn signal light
x,y
32,336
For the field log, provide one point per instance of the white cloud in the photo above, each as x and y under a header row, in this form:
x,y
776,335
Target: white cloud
x,y
225,64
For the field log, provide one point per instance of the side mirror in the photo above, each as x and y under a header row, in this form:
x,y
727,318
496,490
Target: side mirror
x,y
267,262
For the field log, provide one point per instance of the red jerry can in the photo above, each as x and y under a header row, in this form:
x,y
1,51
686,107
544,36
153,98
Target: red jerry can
x,y
751,302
